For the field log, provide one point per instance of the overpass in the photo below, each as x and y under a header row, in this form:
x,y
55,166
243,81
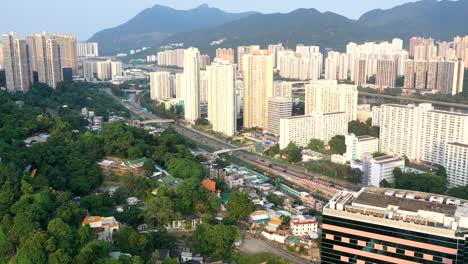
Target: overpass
x,y
157,121
232,150
133,91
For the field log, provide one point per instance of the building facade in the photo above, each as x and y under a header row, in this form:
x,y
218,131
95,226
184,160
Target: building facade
x,y
301,129
393,226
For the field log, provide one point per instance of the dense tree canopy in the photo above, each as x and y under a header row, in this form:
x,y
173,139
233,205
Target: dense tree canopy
x,y
425,182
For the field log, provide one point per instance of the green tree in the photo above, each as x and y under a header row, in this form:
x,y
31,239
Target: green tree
x,y
130,241
273,198
459,192
239,205
273,151
148,167
293,152
32,250
159,211
215,240
338,145
59,257
316,145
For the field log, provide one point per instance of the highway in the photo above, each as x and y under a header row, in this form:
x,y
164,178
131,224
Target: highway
x,y
293,173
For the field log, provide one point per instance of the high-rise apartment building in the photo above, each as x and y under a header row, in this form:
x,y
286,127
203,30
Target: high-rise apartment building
x,y
172,58
450,76
283,89
393,226
278,107
179,83
203,87
456,164
418,41
258,87
420,79
16,63
274,49
243,50
360,72
327,96
386,73
191,84
87,49
225,54
204,61
89,70
161,85
116,68
410,74
301,129
45,56
103,70
300,66
68,56
421,133
222,114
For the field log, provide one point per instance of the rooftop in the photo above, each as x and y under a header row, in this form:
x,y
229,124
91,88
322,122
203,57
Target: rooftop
x,y
397,206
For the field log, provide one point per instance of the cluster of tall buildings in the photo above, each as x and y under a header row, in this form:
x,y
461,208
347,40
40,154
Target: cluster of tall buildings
x,y
305,63
175,58
44,57
441,74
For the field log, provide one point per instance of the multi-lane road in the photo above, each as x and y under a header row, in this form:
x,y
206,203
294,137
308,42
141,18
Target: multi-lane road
x,y
295,174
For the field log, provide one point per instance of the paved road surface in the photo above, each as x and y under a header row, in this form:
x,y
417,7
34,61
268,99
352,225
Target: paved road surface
x,y
252,246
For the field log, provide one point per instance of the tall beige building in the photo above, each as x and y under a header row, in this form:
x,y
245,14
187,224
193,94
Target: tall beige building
x,y
243,50
360,72
386,73
116,68
161,85
325,96
258,87
68,52
222,114
179,83
53,67
432,66
191,84
274,49
225,54
450,76
278,107
16,63
420,79
203,87
410,71
301,129
103,70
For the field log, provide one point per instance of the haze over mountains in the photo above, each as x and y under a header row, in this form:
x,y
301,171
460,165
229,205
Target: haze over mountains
x,y
200,26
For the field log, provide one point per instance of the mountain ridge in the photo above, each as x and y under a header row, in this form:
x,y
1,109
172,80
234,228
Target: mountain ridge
x,y
430,18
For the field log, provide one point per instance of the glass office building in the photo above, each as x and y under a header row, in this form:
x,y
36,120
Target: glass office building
x,y
378,225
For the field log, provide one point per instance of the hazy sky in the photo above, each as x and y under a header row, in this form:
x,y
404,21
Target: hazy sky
x,y
85,17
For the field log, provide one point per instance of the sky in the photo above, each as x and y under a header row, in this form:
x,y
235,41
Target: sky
x,y
85,17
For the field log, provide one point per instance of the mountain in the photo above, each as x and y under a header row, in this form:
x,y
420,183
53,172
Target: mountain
x,y
437,19
152,25
307,26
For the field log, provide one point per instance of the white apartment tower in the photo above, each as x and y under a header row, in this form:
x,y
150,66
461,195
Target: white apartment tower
x,y
161,85
16,63
258,87
221,75
327,96
192,84
278,107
